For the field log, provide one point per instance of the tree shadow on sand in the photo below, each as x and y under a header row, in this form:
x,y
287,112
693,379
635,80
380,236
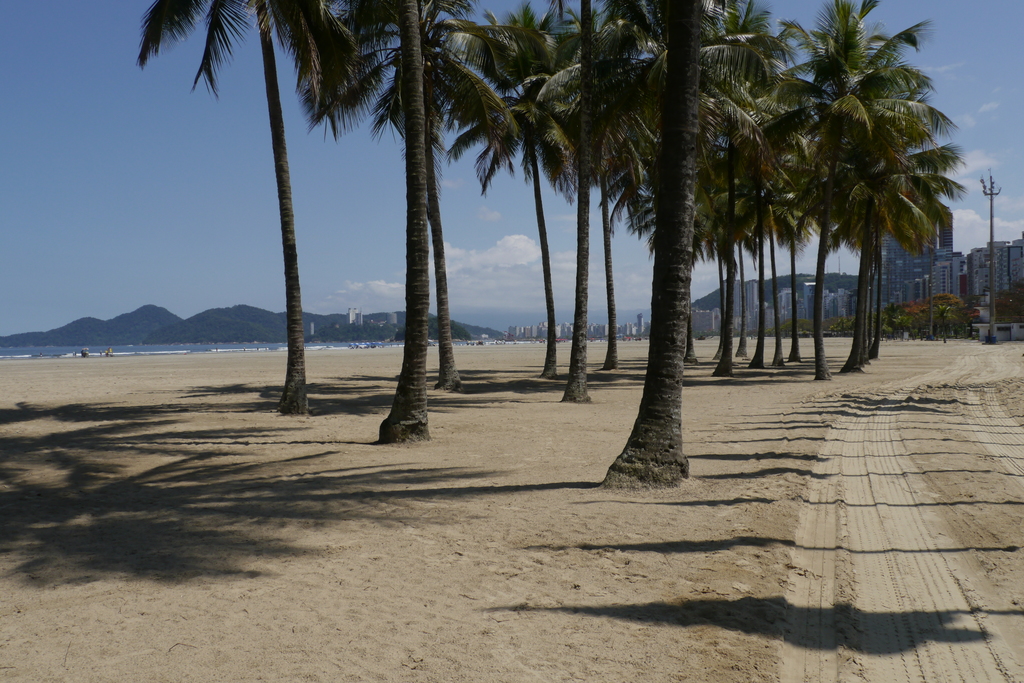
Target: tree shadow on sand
x,y
876,633
76,506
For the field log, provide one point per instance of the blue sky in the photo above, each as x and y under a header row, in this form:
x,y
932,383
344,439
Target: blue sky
x,y
119,187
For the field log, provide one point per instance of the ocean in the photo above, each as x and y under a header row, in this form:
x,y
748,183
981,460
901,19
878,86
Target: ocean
x,y
43,352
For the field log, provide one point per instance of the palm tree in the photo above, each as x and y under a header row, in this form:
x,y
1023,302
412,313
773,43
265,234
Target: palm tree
x,y
943,312
904,201
322,49
407,420
456,53
730,89
777,360
576,385
853,82
535,132
653,455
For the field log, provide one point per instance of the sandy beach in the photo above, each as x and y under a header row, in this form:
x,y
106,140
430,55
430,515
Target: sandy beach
x,y
159,521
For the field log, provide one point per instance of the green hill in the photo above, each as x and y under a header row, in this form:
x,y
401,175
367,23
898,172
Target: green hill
x,y
833,282
237,324
224,326
125,329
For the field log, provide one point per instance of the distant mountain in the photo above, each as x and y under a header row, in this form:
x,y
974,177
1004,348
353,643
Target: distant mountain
x,y
125,329
479,332
833,282
224,326
155,325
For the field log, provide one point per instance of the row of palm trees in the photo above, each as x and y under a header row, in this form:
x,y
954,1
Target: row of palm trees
x,y
704,129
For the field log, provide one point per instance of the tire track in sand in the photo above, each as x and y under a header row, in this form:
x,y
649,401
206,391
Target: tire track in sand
x,y
994,429
877,592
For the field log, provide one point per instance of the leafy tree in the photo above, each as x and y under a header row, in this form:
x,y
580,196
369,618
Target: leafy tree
x,y
322,49
1010,303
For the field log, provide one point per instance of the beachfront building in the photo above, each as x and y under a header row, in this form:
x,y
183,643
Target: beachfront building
x,y
904,275
949,273
355,316
705,322
1009,266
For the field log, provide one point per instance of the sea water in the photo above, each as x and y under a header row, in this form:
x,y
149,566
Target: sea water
x,y
144,350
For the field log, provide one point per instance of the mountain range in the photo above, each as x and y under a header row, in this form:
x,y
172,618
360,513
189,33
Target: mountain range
x,y
238,324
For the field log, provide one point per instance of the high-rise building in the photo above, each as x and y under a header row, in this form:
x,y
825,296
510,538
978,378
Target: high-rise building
x,y
1009,266
355,316
705,321
946,237
900,267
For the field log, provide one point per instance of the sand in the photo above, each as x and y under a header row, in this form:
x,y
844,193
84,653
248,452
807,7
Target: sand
x,y
160,522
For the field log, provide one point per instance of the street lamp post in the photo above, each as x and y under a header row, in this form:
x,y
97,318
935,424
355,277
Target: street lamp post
x,y
990,190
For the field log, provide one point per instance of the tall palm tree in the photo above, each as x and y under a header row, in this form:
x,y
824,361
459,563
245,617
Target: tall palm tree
x,y
456,53
653,455
322,49
905,201
732,118
852,83
943,312
576,385
535,132
407,420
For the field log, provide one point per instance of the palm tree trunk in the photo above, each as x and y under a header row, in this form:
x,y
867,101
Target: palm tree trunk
x,y
855,363
877,343
611,359
550,370
653,454
721,312
794,346
757,362
447,375
293,396
408,418
821,371
777,361
576,387
741,343
724,367
869,335
865,347
691,353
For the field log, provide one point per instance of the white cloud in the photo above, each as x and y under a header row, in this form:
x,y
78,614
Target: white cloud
x,y
372,296
974,161
944,69
966,121
485,214
454,184
506,277
971,230
989,106
511,250
1006,204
